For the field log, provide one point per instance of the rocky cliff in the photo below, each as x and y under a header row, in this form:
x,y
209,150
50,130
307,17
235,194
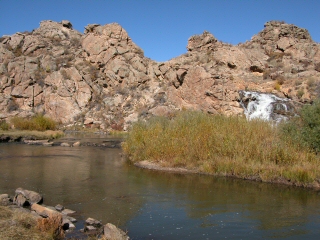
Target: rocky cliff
x,y
102,79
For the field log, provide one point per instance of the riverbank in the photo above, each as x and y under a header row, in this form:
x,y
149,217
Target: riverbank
x,y
158,167
21,135
65,139
222,146
25,217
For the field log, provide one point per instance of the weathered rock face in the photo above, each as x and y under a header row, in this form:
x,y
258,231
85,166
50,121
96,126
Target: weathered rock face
x,y
102,79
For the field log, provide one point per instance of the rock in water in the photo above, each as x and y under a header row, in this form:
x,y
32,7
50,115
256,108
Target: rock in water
x,y
93,222
112,232
26,197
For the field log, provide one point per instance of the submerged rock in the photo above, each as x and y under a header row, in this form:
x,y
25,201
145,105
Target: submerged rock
x,y
67,211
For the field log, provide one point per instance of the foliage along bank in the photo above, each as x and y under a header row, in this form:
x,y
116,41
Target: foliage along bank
x,y
225,146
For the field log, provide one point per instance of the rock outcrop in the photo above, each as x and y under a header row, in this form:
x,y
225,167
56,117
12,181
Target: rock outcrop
x,y
102,79
57,220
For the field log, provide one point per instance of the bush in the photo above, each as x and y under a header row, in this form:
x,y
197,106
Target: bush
x,y
300,93
277,86
305,129
37,122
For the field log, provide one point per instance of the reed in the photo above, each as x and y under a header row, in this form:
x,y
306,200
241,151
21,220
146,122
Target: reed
x,y
220,145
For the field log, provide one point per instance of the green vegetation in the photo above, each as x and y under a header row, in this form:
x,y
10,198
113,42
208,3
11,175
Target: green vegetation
x,y
19,225
227,146
37,122
305,129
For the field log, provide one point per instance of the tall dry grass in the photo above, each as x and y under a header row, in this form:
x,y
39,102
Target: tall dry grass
x,y
221,145
37,122
19,225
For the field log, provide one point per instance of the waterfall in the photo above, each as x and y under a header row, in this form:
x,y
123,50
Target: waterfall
x,y
266,106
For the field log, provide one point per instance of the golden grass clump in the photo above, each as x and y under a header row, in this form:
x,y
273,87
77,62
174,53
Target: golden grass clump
x,y
19,225
228,146
37,122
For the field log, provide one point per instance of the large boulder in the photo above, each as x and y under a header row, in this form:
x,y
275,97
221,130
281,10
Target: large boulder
x,y
25,197
110,231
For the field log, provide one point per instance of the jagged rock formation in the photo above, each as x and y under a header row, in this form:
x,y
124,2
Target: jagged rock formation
x,y
102,79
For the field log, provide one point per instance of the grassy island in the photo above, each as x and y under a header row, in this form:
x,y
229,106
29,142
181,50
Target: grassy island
x,y
225,146
36,127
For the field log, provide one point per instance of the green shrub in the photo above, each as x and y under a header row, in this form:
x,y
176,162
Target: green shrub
x,y
37,122
305,129
300,93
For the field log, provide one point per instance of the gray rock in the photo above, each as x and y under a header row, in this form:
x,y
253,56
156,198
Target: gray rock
x,y
93,222
67,211
89,228
5,200
59,207
25,197
76,144
65,144
71,219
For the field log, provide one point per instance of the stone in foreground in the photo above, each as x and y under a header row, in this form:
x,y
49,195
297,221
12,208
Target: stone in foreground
x,y
112,232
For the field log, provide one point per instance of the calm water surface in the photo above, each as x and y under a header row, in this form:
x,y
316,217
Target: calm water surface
x,y
97,183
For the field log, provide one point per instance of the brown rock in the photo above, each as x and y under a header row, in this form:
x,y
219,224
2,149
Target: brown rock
x,y
112,232
30,196
44,211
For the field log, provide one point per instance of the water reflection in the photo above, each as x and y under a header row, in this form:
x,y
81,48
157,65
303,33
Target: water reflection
x,y
219,207
97,183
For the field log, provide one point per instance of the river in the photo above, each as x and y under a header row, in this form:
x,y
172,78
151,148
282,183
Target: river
x,y
98,183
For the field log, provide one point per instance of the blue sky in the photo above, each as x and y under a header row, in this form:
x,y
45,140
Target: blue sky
x,y
162,27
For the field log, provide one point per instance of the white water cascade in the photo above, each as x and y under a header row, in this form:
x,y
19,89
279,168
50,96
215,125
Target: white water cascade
x,y
266,106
